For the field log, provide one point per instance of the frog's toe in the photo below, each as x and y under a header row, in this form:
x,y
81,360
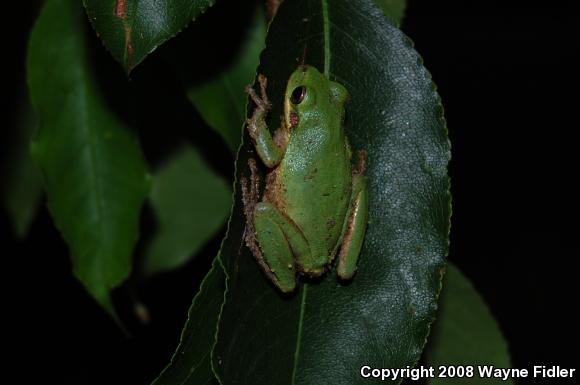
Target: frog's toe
x,y
314,272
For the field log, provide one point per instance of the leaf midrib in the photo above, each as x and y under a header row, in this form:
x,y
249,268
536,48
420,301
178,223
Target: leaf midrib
x,y
93,164
299,337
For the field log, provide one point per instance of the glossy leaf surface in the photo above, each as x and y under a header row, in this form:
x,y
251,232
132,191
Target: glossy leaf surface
x,y
325,331
131,29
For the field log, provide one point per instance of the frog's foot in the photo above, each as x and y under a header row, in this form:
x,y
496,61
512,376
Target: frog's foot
x,y
314,273
250,199
257,122
261,101
263,85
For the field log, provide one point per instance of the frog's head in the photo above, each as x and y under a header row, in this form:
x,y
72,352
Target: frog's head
x,y
309,91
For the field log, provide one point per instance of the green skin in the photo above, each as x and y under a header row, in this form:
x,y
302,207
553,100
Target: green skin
x,y
314,202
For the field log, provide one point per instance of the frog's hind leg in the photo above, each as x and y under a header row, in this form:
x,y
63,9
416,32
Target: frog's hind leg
x,y
250,196
281,243
355,228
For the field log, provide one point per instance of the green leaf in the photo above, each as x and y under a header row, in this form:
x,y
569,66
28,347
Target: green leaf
x,y
395,9
221,100
132,29
191,363
21,182
465,332
326,331
93,169
191,203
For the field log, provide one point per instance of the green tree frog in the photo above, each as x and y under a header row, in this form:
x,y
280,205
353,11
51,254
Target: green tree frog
x,y
314,202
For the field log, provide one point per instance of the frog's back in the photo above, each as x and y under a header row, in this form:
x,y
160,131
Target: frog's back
x,y
314,186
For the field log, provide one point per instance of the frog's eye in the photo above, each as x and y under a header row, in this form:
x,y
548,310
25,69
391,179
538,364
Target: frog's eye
x,y
298,95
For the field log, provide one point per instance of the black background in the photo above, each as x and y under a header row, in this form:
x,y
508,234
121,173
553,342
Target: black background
x,y
507,78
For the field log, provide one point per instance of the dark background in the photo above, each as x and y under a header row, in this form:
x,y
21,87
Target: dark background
x,y
505,74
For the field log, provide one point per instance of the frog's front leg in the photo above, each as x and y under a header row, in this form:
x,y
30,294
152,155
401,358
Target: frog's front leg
x,y
281,243
355,227
271,150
